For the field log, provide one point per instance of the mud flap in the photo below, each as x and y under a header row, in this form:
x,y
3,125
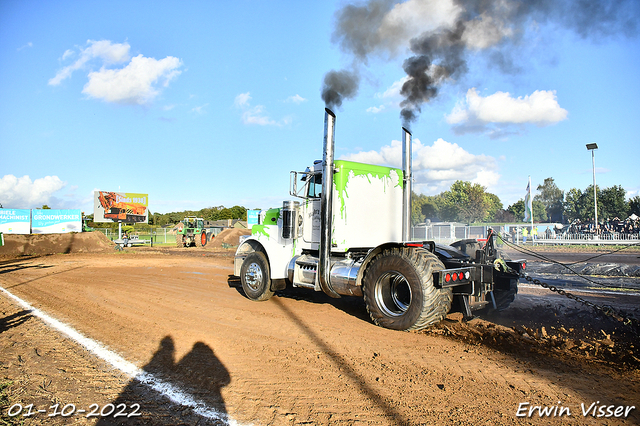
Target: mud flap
x,y
461,304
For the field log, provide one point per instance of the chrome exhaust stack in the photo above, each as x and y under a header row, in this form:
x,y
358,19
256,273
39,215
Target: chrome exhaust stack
x,y
326,205
406,185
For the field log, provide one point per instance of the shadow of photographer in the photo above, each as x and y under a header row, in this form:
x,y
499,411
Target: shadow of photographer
x,y
170,392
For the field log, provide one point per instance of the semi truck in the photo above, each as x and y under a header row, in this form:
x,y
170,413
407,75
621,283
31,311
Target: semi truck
x,y
348,234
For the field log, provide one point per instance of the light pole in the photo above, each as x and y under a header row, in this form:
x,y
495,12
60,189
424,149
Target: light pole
x,y
592,147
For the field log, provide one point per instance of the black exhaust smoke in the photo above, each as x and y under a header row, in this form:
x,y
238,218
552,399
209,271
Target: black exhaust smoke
x,y
339,85
438,54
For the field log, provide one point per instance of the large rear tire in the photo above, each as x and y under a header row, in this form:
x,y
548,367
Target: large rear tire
x,y
399,291
255,277
201,240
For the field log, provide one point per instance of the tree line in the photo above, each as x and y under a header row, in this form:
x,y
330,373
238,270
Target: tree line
x,y
470,203
209,213
163,219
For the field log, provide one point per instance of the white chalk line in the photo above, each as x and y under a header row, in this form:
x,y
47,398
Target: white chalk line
x,y
173,393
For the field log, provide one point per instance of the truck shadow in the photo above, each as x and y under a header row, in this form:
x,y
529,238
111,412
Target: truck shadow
x,y
168,392
351,305
345,366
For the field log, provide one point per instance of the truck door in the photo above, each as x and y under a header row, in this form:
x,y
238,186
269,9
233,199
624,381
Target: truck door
x,y
311,209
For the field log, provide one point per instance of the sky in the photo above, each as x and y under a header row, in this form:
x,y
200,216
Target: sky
x,y
205,103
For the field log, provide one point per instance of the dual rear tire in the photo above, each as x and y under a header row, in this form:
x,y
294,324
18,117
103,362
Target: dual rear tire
x,y
399,289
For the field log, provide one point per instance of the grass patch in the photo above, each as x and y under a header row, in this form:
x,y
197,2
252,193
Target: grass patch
x,y
5,404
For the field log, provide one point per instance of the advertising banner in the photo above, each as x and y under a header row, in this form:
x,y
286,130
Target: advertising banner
x,y
15,221
127,207
50,221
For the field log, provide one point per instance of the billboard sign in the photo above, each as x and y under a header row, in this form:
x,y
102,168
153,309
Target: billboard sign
x,y
15,221
124,207
50,221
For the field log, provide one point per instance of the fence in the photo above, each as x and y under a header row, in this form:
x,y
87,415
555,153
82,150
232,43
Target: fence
x,y
446,233
158,235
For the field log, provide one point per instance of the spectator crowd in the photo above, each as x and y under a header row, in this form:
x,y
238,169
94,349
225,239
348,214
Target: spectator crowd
x,y
626,228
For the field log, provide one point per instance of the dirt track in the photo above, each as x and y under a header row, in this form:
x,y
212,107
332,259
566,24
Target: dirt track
x,y
300,358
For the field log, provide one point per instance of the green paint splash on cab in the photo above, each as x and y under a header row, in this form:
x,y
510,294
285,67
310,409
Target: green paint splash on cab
x,y
344,169
259,230
270,219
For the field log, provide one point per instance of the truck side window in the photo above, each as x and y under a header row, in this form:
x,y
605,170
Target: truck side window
x,y
315,186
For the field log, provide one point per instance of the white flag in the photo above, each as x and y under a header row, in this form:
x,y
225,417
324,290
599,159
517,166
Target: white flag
x,y
528,204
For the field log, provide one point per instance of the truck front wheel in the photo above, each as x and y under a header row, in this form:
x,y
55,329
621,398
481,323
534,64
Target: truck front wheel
x,y
255,277
399,291
179,240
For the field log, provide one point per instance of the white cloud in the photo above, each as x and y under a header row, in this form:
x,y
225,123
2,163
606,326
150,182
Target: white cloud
x,y
199,109
375,110
478,113
30,44
135,84
242,100
67,54
296,99
23,193
108,52
393,92
435,167
256,114
138,83
413,17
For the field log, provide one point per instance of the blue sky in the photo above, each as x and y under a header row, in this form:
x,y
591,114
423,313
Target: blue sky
x,y
208,103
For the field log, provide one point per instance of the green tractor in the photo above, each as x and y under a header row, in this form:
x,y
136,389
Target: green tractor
x,y
191,232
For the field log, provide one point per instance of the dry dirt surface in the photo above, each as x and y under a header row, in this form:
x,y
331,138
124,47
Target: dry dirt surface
x,y
299,358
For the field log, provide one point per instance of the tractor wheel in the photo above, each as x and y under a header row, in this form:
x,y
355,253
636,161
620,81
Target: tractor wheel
x,y
255,277
399,291
201,240
179,240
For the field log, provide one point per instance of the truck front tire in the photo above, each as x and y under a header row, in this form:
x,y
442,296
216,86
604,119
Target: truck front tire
x,y
399,291
179,240
255,277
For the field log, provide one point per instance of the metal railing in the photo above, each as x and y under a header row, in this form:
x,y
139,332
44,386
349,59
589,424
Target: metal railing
x,y
158,235
447,233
